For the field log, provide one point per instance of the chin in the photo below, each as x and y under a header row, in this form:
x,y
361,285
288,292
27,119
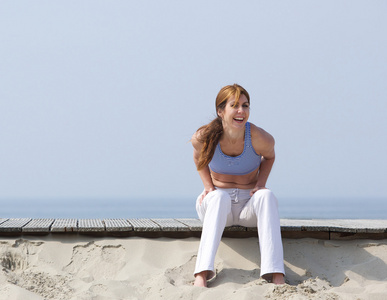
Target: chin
x,y
239,125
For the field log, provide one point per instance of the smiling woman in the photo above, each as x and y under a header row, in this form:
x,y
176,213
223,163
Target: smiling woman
x,y
211,133
234,159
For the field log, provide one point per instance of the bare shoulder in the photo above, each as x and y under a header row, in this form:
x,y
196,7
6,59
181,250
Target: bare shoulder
x,y
263,142
260,134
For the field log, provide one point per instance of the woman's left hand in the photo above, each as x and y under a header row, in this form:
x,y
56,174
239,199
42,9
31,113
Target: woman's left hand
x,y
257,188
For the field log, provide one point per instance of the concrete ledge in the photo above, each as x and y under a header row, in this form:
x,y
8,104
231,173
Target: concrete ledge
x,y
182,228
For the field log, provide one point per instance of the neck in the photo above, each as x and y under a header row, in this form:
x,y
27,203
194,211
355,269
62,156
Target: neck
x,y
233,135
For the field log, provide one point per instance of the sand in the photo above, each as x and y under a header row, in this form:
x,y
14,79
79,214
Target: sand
x,y
77,267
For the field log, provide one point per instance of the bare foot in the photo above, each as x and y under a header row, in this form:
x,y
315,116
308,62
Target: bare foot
x,y
278,278
201,279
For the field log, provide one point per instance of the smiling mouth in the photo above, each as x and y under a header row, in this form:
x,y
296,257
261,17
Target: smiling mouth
x,y
239,119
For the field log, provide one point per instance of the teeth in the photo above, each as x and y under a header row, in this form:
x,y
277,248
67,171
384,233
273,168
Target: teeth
x,y
239,119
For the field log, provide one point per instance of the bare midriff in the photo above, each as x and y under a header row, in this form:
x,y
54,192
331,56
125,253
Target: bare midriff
x,y
226,181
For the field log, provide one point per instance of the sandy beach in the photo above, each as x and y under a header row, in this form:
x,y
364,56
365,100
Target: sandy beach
x,y
80,267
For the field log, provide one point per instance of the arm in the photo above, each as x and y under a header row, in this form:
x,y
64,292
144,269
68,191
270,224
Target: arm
x,y
263,144
204,173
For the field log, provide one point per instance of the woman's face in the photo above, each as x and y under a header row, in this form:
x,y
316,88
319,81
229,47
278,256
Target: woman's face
x,y
235,116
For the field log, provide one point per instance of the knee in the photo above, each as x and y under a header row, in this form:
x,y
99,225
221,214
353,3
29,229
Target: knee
x,y
264,197
263,193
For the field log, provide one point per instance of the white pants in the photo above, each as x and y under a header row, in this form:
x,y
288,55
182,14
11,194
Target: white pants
x,y
226,207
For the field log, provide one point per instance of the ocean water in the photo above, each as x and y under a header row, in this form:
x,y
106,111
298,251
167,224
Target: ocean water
x,y
292,208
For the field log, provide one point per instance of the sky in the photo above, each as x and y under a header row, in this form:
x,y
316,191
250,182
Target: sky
x,y
99,99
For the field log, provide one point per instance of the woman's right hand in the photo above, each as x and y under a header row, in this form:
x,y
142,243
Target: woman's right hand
x,y
204,193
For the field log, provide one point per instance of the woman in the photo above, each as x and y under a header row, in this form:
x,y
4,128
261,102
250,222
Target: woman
x,y
234,159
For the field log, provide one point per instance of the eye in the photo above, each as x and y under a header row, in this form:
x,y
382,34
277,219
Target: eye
x,y
246,105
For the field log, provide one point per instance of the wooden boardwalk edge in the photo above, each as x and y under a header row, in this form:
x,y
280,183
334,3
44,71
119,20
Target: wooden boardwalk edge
x,y
184,227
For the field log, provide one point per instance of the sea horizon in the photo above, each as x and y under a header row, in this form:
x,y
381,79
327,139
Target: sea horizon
x,y
289,208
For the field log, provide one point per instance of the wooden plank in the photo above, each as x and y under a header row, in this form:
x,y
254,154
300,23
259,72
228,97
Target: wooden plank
x,y
65,225
38,225
144,225
359,226
355,236
235,228
90,225
117,225
14,225
335,225
333,228
171,225
376,226
290,225
339,225
193,224
304,225
255,229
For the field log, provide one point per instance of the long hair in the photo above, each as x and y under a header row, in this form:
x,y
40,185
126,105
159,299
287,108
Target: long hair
x,y
209,135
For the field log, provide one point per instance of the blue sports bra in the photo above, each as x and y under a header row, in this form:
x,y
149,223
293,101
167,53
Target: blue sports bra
x,y
242,164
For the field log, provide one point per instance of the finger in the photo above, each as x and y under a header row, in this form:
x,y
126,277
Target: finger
x,y
201,199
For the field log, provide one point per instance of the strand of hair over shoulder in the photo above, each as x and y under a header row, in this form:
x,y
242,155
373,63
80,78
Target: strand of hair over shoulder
x,y
209,135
